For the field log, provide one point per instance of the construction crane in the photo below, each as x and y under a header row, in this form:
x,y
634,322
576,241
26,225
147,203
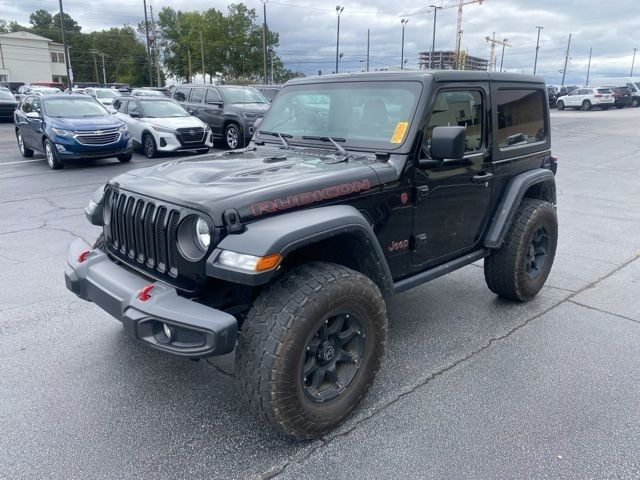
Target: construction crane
x,y
494,41
459,27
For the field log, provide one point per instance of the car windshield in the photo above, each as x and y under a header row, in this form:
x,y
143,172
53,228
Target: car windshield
x,y
357,114
6,95
106,93
46,90
156,109
242,95
73,107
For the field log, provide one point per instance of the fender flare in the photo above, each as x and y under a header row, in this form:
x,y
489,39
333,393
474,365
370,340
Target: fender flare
x,y
288,232
510,201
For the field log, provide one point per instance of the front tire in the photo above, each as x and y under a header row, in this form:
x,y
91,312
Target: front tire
x,y
149,147
519,268
560,105
125,158
51,155
310,347
24,150
232,136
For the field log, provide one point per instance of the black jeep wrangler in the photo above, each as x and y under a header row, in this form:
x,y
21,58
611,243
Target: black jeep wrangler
x,y
354,188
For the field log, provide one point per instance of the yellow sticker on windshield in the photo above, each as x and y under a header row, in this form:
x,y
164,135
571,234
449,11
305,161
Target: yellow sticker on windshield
x,y
398,133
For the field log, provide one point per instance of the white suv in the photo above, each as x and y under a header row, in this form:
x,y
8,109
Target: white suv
x,y
586,98
161,125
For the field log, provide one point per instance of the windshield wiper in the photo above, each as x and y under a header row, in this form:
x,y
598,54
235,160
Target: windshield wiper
x,y
333,140
281,136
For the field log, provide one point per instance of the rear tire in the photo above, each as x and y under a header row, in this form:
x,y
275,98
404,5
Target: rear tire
x,y
560,105
309,348
586,106
519,268
635,102
51,155
24,150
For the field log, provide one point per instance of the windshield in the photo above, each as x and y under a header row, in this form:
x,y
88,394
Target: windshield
x,y
46,90
360,114
5,95
242,95
73,107
107,93
154,109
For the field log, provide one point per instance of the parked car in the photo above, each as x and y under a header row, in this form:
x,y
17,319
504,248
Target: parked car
x,y
166,91
622,97
552,94
78,87
142,92
269,91
13,86
105,96
230,111
162,125
65,127
121,87
58,85
587,98
8,104
632,83
26,90
566,90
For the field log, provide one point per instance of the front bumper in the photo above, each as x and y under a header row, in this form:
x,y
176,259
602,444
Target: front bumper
x,y
200,331
69,148
167,142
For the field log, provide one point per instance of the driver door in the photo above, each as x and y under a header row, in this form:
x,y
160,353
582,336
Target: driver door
x,y
453,198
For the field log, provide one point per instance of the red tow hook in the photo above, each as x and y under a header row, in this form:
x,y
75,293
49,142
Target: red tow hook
x,y
83,256
144,294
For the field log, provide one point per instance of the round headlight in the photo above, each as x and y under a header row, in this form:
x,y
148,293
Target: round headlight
x,y
202,234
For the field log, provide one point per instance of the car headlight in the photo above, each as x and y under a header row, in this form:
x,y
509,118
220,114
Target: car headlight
x,y
250,115
249,262
62,133
194,237
163,129
122,128
202,234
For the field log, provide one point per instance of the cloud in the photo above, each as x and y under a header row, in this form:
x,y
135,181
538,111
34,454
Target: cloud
x,y
308,31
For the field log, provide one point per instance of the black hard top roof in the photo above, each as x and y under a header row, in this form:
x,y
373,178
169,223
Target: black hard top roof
x,y
421,76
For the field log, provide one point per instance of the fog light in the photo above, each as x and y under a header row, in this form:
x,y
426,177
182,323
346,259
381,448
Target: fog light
x,y
60,148
168,331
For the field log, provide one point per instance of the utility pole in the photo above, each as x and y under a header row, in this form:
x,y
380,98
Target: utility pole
x,y
95,65
264,40
433,39
535,62
589,67
404,22
633,61
67,61
104,72
155,44
368,44
566,60
189,58
204,78
494,41
146,29
339,10
271,55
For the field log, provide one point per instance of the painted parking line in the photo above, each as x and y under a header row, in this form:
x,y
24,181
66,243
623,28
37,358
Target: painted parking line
x,y
23,161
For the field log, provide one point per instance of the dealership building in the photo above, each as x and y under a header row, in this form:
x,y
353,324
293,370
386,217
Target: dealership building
x,y
27,58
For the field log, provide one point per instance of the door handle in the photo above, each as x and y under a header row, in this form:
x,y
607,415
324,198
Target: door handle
x,y
482,177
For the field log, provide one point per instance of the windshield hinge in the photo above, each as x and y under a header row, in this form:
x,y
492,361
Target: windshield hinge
x,y
383,156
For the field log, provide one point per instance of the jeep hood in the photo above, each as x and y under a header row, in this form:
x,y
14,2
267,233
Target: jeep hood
x,y
256,183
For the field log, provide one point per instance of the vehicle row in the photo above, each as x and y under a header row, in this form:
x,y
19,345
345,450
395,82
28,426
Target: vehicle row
x,y
603,93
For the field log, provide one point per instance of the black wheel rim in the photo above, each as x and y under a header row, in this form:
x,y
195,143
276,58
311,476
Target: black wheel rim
x,y
333,357
537,252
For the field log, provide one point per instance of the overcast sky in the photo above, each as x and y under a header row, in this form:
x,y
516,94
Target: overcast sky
x,y
308,30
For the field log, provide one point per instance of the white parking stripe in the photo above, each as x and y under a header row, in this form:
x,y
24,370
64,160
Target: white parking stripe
x,y
23,161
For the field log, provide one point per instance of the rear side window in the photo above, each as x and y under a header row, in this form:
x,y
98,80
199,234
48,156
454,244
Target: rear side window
x,y
181,94
604,90
521,117
196,95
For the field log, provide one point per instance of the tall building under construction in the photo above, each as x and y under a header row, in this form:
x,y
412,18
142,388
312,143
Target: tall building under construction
x,y
446,60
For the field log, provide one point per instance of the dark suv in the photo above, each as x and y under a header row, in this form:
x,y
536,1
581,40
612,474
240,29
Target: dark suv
x,y
355,188
622,97
229,110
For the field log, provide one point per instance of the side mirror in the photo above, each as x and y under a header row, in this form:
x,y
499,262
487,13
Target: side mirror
x,y
256,125
134,115
112,110
33,115
447,143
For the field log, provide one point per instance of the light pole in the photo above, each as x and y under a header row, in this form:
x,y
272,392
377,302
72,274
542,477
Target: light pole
x,y
633,61
146,30
264,40
66,49
433,40
535,62
504,44
404,22
339,10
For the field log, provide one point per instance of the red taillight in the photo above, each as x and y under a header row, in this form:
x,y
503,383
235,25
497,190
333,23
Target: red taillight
x,y
144,295
83,256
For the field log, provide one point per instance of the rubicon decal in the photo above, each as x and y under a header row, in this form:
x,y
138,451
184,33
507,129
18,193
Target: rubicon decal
x,y
306,198
399,245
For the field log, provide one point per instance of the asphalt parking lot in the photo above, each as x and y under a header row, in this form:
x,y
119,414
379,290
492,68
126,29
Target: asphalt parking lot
x,y
472,386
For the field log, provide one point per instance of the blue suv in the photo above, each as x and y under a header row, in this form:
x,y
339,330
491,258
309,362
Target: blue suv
x,y
70,126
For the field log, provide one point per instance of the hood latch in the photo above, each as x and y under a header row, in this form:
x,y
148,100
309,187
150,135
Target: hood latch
x,y
232,221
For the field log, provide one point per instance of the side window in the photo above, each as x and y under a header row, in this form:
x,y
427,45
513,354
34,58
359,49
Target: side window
x,y
134,107
120,105
458,108
36,105
521,117
213,96
27,105
196,95
181,94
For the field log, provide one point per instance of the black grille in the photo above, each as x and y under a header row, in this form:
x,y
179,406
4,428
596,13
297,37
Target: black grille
x,y
102,138
144,233
191,135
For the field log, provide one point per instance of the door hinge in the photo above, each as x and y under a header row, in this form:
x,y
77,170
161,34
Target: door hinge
x,y
417,241
421,192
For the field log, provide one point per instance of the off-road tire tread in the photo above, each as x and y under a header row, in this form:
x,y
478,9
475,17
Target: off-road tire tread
x,y
503,271
265,331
